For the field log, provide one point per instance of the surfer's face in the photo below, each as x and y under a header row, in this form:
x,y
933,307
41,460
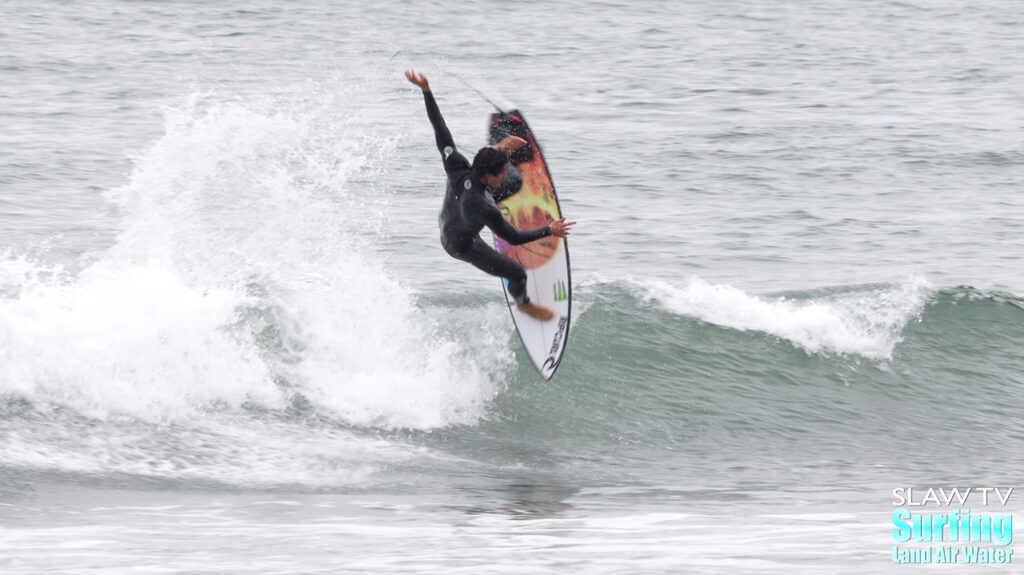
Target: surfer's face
x,y
495,180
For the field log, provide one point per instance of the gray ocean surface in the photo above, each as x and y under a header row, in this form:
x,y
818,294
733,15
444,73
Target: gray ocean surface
x,y
230,341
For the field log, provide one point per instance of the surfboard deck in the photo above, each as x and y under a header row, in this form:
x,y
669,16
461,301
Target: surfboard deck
x,y
546,260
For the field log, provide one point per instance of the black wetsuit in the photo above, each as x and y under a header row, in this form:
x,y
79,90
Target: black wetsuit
x,y
469,206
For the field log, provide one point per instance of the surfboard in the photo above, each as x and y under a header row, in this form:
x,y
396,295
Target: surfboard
x,y
546,260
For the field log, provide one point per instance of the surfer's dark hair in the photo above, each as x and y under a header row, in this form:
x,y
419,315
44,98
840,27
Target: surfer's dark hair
x,y
489,161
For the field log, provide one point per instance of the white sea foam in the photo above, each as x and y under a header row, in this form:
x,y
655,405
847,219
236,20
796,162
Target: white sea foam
x,y
242,276
866,322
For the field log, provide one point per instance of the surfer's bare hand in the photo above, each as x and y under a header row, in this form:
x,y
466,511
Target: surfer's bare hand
x,y
560,228
418,79
510,144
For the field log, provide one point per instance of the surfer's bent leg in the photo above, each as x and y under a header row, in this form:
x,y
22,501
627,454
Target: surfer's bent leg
x,y
486,258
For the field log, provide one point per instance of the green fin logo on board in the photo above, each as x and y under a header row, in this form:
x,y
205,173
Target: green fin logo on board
x,y
561,293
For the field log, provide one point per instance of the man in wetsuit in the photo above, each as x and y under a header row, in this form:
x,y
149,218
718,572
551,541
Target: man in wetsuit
x,y
469,206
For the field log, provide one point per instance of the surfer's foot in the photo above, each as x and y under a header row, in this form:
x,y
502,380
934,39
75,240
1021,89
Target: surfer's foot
x,y
537,312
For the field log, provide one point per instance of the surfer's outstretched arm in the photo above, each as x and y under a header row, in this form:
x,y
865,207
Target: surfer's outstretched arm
x,y
506,231
442,136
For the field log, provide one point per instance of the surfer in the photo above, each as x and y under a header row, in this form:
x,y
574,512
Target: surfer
x,y
469,206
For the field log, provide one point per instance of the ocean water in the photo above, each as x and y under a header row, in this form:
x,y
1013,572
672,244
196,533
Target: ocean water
x,y
231,343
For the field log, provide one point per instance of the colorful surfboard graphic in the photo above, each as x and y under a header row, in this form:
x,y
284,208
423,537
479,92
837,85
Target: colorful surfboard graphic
x,y
535,205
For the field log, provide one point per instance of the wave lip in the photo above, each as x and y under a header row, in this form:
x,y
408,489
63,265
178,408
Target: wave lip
x,y
867,321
